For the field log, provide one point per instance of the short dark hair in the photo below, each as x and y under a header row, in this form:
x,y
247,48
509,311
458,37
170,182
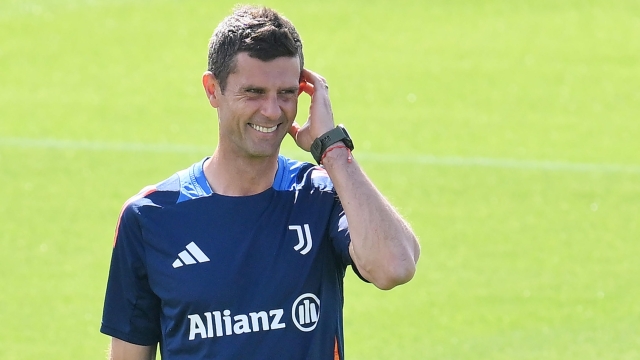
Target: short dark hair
x,y
261,32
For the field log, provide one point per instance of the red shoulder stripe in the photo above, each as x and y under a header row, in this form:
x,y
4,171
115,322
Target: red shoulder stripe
x,y
144,192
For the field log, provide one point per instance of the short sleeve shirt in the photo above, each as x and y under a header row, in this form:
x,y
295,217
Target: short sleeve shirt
x,y
217,277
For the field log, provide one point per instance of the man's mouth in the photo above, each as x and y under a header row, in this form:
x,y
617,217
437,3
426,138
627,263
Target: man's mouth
x,y
263,129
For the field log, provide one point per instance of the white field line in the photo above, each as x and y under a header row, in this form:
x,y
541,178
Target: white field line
x,y
415,159
12,9
45,143
502,163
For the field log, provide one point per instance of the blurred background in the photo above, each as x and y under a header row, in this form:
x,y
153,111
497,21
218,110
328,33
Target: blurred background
x,y
506,132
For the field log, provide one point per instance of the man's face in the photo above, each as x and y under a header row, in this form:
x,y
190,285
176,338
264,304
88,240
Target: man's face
x,y
259,105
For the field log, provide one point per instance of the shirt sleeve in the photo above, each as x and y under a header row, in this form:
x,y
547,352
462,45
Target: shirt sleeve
x,y
339,230
131,310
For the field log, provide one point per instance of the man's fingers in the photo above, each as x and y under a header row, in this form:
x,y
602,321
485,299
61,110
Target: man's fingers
x,y
293,130
314,80
305,87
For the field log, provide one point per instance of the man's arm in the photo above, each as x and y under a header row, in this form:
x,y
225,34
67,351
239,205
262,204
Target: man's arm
x,y
122,350
383,247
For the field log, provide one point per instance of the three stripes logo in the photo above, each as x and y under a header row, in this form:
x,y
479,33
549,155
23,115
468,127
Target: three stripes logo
x,y
192,255
305,312
305,243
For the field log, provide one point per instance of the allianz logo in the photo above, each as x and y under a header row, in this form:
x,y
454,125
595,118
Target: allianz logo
x,y
305,313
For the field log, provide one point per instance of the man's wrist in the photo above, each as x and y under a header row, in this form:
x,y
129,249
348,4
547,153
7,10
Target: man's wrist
x,y
334,136
335,152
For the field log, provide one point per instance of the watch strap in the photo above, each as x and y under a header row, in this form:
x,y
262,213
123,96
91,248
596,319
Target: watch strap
x,y
320,145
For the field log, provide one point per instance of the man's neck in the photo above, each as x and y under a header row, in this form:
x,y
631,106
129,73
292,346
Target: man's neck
x,y
238,175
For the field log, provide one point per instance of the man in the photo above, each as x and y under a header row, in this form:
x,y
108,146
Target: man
x,y
242,255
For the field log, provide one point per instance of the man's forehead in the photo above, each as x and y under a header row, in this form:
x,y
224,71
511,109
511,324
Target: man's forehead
x,y
282,69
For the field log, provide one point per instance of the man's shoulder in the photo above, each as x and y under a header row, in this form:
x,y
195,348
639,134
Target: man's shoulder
x,y
297,175
183,185
158,195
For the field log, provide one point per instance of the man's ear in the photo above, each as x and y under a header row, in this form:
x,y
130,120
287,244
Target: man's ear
x,y
211,88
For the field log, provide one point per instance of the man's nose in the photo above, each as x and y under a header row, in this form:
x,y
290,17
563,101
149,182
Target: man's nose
x,y
271,107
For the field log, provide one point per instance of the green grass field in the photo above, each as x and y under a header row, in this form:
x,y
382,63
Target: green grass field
x,y
505,131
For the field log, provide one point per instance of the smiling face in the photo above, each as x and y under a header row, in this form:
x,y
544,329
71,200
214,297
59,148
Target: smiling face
x,y
258,105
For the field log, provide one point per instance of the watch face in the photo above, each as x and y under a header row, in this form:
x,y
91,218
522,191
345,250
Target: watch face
x,y
347,140
320,145
344,130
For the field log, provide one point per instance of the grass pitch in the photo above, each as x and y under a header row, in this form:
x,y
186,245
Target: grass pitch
x,y
505,131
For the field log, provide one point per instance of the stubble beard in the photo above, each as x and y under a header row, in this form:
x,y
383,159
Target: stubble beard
x,y
250,146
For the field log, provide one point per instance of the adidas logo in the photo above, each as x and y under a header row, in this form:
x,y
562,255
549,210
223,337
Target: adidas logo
x,y
186,257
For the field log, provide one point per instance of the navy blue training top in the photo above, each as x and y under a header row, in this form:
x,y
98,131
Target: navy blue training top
x,y
217,277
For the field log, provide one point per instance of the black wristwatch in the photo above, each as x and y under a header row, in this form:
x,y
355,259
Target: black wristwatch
x,y
320,145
